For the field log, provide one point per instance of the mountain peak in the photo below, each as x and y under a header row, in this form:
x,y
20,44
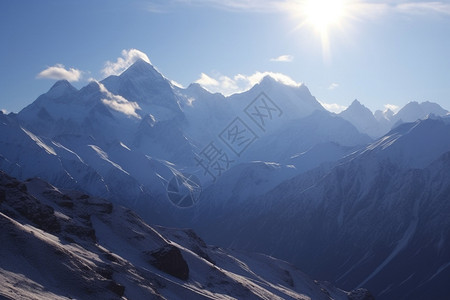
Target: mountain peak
x,y
415,110
141,61
267,80
356,103
61,88
389,113
141,68
357,108
197,88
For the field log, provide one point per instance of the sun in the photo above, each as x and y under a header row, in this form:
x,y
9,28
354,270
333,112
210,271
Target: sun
x,y
323,14
324,17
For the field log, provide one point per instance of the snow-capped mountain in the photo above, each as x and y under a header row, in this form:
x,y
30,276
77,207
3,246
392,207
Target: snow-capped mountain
x,y
268,170
142,84
301,135
107,169
377,219
414,111
364,120
66,245
379,123
126,137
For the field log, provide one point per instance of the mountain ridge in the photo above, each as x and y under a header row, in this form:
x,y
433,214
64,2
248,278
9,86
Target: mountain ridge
x,y
66,244
267,157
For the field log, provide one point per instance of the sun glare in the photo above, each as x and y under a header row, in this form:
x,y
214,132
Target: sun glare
x,y
322,14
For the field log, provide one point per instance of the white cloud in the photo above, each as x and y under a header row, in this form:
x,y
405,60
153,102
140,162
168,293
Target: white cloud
x,y
239,83
119,103
393,107
59,72
283,58
177,84
333,86
333,107
4,111
258,76
207,81
122,63
424,7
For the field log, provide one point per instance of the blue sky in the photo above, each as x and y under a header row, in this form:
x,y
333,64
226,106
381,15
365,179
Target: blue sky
x,y
380,52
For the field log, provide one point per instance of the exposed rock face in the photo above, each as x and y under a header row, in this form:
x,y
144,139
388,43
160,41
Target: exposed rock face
x,y
28,207
169,259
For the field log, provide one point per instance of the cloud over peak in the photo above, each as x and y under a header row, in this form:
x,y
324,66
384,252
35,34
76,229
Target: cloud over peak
x,y
59,72
393,107
333,107
122,63
239,83
119,103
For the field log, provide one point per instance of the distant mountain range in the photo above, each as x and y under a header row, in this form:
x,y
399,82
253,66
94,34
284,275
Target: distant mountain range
x,y
379,123
356,198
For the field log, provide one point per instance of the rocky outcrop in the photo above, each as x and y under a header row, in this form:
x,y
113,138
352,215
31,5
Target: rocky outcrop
x,y
169,260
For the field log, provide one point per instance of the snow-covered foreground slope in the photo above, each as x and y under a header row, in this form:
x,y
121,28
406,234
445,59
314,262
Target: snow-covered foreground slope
x,y
65,245
379,219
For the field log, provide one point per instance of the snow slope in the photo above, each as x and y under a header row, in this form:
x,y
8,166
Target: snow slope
x,y
65,245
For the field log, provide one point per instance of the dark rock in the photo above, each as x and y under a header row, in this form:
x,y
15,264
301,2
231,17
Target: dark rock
x,y
360,294
2,196
66,204
86,233
23,188
116,288
169,260
41,215
101,207
287,277
106,272
12,184
68,239
191,233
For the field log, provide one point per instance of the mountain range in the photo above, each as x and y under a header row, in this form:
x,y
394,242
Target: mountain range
x,y
379,123
377,218
355,198
68,245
